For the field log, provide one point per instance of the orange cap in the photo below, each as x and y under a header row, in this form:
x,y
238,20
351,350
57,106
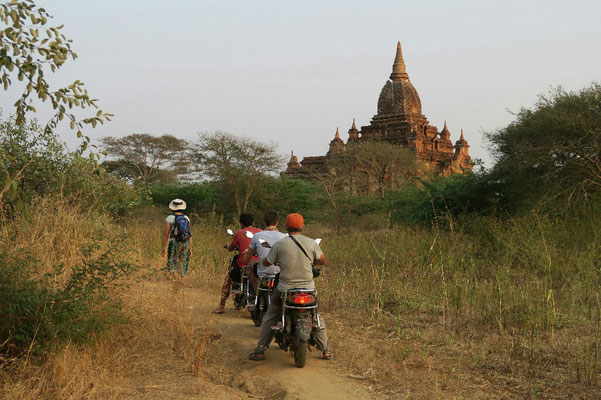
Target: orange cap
x,y
295,221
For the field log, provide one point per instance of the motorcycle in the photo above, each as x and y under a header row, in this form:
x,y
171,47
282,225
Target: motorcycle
x,y
242,291
296,331
265,285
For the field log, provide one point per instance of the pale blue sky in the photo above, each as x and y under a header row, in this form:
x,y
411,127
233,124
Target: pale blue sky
x,y
292,72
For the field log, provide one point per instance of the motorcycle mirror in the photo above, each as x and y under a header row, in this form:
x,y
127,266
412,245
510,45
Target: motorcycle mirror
x,y
318,240
230,232
248,234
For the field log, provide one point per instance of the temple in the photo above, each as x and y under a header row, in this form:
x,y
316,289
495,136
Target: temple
x,y
399,120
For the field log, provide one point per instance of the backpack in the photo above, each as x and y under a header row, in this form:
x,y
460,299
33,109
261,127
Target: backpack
x,y
181,228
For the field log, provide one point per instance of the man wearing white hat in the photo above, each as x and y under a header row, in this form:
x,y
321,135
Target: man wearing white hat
x,y
177,235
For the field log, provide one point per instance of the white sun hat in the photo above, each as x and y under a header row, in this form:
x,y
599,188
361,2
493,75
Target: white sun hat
x,y
177,205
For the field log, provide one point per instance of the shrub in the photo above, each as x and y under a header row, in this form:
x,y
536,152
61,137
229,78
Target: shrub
x,y
95,188
200,197
38,312
442,197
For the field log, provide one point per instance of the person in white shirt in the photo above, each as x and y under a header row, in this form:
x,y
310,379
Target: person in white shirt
x,y
271,235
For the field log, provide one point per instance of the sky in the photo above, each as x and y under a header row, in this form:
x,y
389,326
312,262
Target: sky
x,y
292,72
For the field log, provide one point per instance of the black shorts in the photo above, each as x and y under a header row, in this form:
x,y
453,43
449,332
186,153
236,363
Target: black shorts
x,y
234,271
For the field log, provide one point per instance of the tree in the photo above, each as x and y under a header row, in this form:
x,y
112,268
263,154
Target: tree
x,y
28,49
144,157
553,148
36,158
375,165
237,163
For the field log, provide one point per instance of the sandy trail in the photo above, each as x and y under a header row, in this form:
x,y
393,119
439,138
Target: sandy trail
x,y
235,336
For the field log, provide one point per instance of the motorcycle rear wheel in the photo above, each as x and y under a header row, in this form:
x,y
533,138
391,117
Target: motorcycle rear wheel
x,y
300,353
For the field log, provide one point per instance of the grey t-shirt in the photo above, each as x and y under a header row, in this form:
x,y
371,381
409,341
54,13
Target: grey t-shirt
x,y
296,268
272,237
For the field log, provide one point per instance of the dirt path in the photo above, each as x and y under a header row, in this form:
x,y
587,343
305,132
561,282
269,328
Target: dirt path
x,y
233,338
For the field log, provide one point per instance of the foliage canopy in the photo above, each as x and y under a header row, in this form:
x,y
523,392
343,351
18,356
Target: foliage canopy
x,y
238,164
553,148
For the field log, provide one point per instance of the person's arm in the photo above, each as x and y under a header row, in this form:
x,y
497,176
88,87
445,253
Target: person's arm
x,y
318,256
272,257
321,260
165,237
233,244
249,252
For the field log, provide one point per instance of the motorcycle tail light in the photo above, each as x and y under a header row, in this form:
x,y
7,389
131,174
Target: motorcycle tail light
x,y
270,283
302,298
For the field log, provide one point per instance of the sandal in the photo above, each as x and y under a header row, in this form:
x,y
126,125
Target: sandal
x,y
327,355
218,311
257,356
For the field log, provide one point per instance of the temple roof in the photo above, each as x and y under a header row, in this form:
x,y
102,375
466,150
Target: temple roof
x,y
445,131
399,71
461,142
337,137
398,96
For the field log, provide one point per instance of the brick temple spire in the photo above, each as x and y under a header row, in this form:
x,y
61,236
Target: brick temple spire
x,y
399,71
336,145
353,133
445,131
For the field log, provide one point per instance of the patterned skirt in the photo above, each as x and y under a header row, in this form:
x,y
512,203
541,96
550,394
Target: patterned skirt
x,y
178,255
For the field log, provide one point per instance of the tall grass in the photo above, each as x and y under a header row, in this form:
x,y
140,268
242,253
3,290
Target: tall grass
x,y
518,296
158,320
530,282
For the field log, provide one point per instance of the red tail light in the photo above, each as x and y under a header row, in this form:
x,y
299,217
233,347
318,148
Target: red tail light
x,y
270,283
302,299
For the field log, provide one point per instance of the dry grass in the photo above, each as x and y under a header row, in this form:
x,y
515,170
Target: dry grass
x,y
498,310
162,339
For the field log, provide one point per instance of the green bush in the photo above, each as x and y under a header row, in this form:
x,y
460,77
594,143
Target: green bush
x,y
38,312
443,197
201,198
287,195
97,189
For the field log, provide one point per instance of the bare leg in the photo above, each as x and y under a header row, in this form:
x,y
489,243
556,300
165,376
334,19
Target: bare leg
x,y
225,293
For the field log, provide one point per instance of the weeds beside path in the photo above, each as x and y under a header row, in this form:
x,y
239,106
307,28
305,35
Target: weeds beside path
x,y
496,310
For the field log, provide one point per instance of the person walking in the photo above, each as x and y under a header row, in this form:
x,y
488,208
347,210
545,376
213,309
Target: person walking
x,y
177,239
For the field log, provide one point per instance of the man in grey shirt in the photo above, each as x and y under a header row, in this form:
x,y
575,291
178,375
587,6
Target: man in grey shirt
x,y
296,272
270,235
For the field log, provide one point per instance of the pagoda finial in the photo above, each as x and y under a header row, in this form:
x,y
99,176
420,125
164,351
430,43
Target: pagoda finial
x,y
462,138
399,71
337,136
354,126
445,126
